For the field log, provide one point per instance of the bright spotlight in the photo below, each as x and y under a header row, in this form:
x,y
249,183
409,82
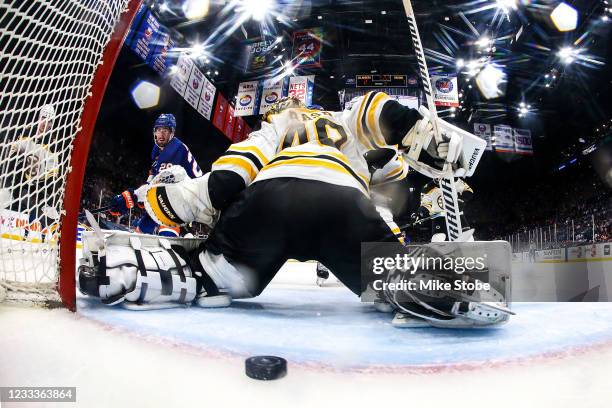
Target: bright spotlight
x,y
197,51
506,5
256,9
564,17
491,81
145,94
484,42
460,63
195,9
289,68
567,55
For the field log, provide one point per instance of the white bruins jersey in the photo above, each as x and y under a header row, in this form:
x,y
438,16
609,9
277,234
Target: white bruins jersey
x,y
317,145
38,162
431,197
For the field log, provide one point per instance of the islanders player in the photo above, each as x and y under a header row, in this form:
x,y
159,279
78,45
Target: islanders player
x,y
168,150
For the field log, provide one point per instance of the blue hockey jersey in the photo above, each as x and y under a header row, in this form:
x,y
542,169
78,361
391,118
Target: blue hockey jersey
x,y
175,153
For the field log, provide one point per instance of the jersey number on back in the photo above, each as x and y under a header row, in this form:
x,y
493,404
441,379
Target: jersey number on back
x,y
326,131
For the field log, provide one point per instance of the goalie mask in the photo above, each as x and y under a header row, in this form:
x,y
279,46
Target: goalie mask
x,y
46,116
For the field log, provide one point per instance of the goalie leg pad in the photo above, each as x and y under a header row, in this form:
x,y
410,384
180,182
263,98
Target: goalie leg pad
x,y
137,269
181,203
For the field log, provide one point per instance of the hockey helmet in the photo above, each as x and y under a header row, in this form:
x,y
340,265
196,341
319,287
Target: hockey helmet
x,y
46,116
164,120
286,102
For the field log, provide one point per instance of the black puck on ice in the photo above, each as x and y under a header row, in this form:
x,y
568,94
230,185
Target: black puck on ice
x,y
265,367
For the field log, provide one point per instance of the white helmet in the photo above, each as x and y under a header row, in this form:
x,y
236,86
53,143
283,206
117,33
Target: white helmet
x,y
47,113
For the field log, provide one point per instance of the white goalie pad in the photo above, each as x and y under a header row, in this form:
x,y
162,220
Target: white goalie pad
x,y
140,269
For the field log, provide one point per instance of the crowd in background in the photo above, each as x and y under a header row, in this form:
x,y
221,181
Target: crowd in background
x,y
568,208
111,170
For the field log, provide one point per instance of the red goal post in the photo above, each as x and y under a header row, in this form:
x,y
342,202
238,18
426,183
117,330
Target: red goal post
x,y
57,56
74,180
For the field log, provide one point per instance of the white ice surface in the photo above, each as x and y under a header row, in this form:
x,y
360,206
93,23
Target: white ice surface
x,y
340,353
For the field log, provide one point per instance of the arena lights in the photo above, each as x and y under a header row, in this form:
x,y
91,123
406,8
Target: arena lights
x,y
473,67
289,68
523,109
145,94
490,81
564,17
195,9
506,5
255,9
460,63
197,51
484,42
567,55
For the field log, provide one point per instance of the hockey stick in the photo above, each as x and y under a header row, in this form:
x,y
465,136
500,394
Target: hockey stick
x,y
447,182
94,211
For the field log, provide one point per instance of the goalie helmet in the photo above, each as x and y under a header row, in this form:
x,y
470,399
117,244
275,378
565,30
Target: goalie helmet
x,y
47,113
284,103
46,116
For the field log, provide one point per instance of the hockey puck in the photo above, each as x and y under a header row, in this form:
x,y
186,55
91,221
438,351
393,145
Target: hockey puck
x,y
265,367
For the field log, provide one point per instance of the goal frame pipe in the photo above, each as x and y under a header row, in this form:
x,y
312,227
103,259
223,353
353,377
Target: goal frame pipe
x,y
78,160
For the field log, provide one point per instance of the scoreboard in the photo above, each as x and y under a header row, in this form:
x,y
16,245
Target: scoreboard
x,y
381,81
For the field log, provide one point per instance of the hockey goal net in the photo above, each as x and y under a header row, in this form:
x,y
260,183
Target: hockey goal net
x,y
55,60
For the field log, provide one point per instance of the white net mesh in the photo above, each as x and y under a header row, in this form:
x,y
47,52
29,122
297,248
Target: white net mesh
x,y
49,53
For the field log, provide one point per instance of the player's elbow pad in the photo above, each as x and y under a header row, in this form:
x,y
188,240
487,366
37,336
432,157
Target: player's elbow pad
x,y
223,187
396,120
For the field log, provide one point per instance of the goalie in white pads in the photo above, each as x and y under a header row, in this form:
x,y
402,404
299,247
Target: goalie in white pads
x,y
298,188
29,176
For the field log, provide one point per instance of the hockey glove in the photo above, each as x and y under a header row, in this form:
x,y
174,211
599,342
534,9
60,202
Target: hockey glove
x,y
121,203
